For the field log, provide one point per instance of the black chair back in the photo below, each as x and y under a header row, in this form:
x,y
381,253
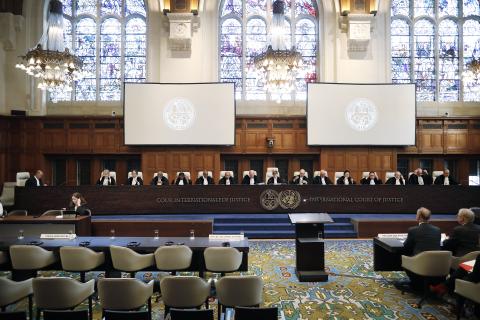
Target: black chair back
x,y
243,313
17,315
126,315
65,315
178,314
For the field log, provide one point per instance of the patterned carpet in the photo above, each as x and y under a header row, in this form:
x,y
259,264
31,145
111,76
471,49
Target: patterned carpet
x,y
353,291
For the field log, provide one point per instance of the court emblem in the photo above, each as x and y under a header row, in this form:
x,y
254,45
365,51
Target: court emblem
x,y
269,199
289,199
179,114
361,114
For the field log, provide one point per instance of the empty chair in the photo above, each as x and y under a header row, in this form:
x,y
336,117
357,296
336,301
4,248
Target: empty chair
x,y
61,293
124,294
428,265
31,258
466,290
469,256
247,313
12,292
8,194
127,260
173,258
239,291
15,213
52,213
22,177
222,259
184,292
65,314
15,315
80,259
179,314
126,315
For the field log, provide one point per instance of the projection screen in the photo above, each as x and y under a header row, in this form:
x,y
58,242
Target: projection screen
x,y
361,114
179,114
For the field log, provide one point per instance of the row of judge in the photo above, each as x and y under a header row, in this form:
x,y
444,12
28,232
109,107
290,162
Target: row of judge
x,y
426,237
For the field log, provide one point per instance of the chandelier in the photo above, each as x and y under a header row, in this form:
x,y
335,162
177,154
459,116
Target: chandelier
x,y
471,76
50,62
278,64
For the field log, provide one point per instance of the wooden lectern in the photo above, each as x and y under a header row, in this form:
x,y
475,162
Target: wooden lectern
x,y
309,245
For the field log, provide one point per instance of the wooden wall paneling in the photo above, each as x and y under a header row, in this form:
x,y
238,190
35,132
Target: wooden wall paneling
x,y
473,142
79,140
430,136
456,136
71,172
105,141
53,140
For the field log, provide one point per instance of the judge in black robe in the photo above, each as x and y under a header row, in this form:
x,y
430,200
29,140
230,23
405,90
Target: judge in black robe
x,y
414,177
301,178
205,177
225,178
159,180
250,178
322,179
275,178
372,176
36,180
345,177
138,182
183,178
398,177
445,179
106,175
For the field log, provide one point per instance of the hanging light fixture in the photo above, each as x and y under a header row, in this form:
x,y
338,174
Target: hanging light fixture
x,y
278,63
471,76
50,62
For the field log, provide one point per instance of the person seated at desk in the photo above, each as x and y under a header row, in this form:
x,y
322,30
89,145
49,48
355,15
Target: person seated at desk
x,y
322,178
105,179
424,237
227,179
182,180
275,179
445,179
205,179
465,237
159,180
397,179
345,179
36,180
460,273
134,180
371,180
420,177
250,178
79,205
301,179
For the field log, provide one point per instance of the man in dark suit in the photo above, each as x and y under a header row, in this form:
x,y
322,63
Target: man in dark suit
x,y
204,179
275,178
159,180
465,237
227,179
424,237
322,179
134,180
372,179
301,178
397,179
420,177
36,180
105,179
445,179
346,179
250,178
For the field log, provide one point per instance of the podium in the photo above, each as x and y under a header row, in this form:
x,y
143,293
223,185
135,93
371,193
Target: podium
x,y
310,246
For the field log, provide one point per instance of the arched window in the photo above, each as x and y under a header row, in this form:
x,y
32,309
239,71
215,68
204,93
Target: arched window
x,y
110,36
431,43
244,28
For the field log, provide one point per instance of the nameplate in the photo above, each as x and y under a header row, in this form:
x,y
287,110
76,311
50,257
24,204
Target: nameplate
x,y
67,236
392,235
222,237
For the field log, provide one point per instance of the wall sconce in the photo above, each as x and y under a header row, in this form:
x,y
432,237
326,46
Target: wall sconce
x,y
270,142
181,6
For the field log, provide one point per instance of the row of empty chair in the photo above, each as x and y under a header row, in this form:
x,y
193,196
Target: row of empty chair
x,y
127,294
81,259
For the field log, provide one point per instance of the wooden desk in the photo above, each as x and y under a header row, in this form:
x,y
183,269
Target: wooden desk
x,y
147,245
34,226
387,254
117,200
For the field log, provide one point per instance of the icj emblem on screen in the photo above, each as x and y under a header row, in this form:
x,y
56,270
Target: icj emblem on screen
x,y
361,114
179,114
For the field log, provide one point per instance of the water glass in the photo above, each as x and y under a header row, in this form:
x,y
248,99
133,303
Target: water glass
x,y
156,237
192,234
20,235
112,234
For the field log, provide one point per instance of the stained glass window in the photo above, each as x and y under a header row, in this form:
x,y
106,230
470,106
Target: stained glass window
x,y
110,37
426,37
244,27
